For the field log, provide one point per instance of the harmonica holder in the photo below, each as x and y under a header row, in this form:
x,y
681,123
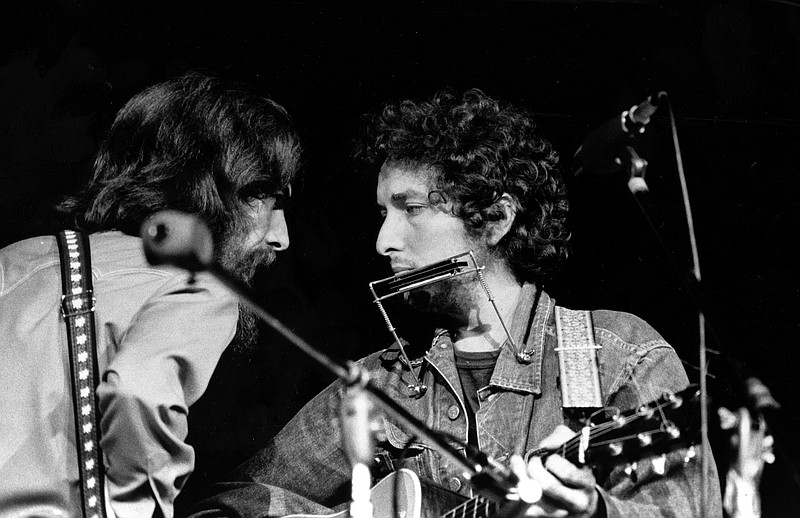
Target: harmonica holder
x,y
455,266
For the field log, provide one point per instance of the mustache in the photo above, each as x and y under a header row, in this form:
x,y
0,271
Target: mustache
x,y
243,263
251,261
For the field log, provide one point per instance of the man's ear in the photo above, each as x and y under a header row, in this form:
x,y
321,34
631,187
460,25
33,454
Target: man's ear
x,y
496,230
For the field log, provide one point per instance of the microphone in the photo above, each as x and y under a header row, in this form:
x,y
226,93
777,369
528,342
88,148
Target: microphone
x,y
602,143
357,434
179,239
358,444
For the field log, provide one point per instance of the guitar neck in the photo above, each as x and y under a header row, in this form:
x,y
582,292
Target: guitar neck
x,y
657,427
477,507
569,450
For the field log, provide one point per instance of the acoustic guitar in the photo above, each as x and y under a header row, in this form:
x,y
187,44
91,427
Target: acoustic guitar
x,y
653,429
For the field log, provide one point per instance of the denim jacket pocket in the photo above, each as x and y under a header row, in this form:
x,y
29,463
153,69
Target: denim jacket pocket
x,y
399,449
400,439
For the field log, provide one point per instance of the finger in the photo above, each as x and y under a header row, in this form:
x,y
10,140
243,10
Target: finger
x,y
545,509
558,437
575,500
539,473
568,473
518,467
528,490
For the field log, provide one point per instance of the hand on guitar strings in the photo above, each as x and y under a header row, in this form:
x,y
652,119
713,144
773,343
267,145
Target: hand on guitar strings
x,y
567,490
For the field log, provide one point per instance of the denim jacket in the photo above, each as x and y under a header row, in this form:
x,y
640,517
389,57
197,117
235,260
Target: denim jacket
x,y
304,466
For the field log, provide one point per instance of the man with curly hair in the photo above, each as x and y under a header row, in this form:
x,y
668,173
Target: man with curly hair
x,y
458,174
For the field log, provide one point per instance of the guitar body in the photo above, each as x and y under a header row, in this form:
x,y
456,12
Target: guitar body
x,y
437,501
403,483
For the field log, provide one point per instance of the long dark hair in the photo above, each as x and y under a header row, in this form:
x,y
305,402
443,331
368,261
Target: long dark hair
x,y
197,144
481,149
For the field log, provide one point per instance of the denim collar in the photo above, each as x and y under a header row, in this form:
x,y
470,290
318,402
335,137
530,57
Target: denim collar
x,y
529,329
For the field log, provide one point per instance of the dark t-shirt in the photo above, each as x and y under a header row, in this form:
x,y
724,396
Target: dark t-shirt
x,y
475,370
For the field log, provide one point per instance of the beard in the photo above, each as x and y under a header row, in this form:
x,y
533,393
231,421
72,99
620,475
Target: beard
x,y
446,298
246,335
243,264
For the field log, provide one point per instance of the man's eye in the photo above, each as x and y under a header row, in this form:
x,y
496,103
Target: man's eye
x,y
282,198
254,201
414,209
259,192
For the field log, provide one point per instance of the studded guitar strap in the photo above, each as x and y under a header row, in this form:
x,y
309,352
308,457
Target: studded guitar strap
x,y
77,308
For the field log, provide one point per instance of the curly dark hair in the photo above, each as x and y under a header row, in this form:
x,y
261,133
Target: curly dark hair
x,y
481,149
197,144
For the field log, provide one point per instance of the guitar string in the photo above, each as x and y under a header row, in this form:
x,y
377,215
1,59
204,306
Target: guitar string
x,y
570,447
573,445
472,505
658,407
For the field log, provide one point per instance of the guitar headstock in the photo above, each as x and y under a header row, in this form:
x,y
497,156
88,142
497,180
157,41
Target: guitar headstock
x,y
658,427
661,426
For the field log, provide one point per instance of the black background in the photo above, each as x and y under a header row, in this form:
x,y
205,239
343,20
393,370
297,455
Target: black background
x,y
731,69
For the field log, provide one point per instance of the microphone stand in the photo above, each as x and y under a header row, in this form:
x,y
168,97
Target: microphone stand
x,y
757,395
486,474
182,240
637,168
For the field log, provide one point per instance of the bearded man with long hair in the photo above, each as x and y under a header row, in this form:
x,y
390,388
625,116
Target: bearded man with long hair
x,y
195,144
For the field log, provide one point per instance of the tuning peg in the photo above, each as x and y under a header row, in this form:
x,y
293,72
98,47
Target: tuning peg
x,y
768,455
618,420
615,449
673,399
670,429
630,472
691,453
660,465
727,419
645,439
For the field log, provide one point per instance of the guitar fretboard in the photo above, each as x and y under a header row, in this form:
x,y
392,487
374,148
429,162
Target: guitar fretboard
x,y
477,507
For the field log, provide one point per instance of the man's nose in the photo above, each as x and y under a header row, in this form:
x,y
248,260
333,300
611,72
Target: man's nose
x,y
278,233
388,237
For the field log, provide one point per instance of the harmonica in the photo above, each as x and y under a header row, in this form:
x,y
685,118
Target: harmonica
x,y
461,264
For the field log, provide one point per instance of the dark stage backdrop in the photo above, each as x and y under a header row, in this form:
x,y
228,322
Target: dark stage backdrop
x,y
731,69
